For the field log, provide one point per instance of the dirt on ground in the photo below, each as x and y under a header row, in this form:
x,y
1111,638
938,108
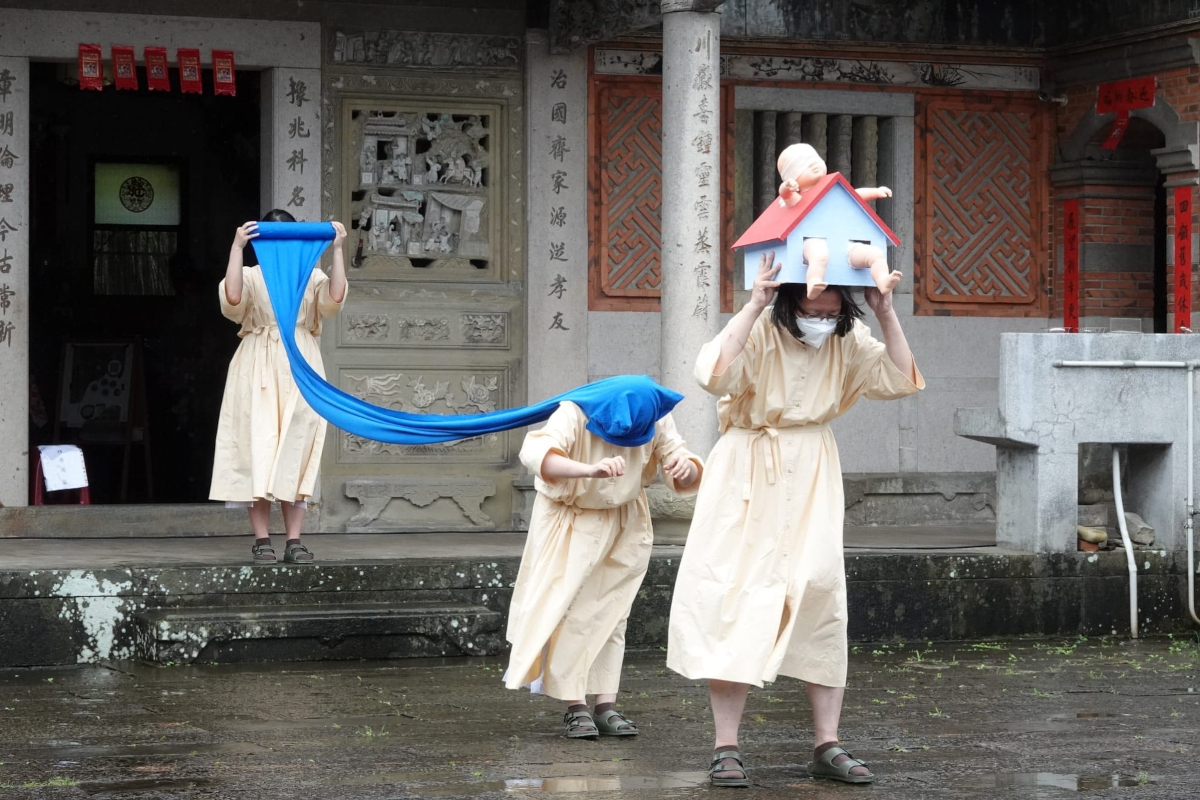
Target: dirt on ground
x,y
1028,719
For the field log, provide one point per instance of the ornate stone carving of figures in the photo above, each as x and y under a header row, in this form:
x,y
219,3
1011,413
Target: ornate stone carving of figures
x,y
378,235
473,128
432,168
364,219
801,169
456,171
432,127
443,244
476,173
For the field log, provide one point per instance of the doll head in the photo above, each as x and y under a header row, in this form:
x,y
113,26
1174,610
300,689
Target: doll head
x,y
800,163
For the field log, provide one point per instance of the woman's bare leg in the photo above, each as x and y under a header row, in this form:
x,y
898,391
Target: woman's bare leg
x,y
260,519
728,703
827,713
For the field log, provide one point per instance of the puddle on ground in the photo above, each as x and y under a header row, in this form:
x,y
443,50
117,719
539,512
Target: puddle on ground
x,y
1090,715
79,752
566,785
102,788
1053,780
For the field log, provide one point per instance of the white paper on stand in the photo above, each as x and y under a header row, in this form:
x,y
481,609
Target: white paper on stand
x,y
62,467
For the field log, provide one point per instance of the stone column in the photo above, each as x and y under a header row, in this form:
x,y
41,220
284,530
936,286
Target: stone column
x,y
816,133
691,240
841,133
291,142
556,96
864,158
766,150
14,283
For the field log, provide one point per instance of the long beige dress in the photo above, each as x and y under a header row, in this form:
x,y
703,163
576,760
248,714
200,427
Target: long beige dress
x,y
761,589
269,440
585,556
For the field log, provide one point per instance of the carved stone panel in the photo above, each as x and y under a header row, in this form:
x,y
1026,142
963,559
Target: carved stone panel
x,y
419,180
420,50
427,390
390,325
448,504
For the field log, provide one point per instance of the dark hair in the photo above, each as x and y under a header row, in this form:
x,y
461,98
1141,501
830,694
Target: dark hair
x,y
277,215
787,308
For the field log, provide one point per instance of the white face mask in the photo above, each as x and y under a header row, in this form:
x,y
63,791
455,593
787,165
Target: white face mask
x,y
816,331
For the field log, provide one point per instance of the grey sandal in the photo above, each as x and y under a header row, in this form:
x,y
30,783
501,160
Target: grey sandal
x,y
614,723
823,767
580,725
298,554
264,554
731,755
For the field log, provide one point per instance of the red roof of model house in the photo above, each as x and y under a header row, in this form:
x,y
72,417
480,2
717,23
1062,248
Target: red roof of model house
x,y
778,220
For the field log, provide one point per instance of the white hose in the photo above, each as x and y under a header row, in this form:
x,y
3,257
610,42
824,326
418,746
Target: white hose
x,y
1188,524
1133,590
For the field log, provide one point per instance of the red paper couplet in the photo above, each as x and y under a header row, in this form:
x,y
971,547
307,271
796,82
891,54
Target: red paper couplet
x,y
1071,265
158,74
124,67
1183,257
91,70
189,71
224,80
1121,97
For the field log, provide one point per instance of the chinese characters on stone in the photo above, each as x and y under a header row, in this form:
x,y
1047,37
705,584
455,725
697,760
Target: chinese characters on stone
x,y
558,182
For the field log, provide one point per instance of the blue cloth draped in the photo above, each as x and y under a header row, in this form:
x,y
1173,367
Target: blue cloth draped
x,y
620,410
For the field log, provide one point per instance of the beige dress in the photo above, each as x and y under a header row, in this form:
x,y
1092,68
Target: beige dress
x,y
587,551
761,589
269,440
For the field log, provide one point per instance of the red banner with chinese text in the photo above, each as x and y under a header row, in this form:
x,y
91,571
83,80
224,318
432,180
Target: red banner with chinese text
x,y
1183,257
124,67
224,80
91,70
1121,97
189,71
158,74
1071,265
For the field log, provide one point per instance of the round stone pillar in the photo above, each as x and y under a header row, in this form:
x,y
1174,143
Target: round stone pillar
x,y
691,235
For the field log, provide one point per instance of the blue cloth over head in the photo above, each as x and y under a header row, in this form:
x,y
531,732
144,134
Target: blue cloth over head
x,y
620,410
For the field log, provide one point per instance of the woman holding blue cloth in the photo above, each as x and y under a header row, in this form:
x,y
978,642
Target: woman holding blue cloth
x,y
269,440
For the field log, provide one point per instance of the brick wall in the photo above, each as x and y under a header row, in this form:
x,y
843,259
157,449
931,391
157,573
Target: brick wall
x,y
1119,215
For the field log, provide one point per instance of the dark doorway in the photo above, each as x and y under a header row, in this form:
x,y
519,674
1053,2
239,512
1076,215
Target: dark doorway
x,y
135,197
1160,256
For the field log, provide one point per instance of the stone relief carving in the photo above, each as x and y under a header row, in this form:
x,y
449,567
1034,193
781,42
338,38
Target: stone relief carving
x,y
422,50
615,61
415,396
373,497
339,154
421,187
358,446
366,326
485,328
576,23
423,329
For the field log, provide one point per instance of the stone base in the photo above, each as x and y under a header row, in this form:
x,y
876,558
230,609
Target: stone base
x,y
407,607
317,632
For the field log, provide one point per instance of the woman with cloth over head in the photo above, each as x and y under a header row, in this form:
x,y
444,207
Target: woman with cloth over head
x,y
761,590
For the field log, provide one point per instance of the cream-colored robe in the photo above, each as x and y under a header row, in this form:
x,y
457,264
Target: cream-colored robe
x,y
761,589
269,440
585,556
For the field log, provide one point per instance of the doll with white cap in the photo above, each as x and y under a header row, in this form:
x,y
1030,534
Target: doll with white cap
x,y
801,169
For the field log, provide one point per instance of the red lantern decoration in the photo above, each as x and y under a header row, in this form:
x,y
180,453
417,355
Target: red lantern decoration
x,y
224,79
158,74
91,70
189,71
124,67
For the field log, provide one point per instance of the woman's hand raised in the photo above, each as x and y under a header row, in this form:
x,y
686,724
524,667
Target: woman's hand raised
x,y
765,284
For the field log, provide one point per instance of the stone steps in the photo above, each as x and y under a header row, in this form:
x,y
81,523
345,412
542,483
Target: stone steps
x,y
316,632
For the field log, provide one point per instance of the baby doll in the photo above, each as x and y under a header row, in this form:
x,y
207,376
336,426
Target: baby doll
x,y
801,168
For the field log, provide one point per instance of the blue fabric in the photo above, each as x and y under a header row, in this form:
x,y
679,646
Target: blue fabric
x,y
621,410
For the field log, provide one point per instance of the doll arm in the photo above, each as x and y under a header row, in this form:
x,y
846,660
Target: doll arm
x,y
872,193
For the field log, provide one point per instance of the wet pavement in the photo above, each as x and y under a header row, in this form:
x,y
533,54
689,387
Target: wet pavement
x,y
1076,718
